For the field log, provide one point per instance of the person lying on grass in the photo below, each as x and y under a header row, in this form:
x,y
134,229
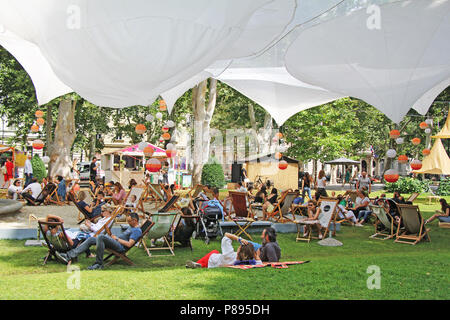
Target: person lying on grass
x,y
126,240
443,215
245,254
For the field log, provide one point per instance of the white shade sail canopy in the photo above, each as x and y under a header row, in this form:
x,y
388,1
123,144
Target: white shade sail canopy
x,y
286,55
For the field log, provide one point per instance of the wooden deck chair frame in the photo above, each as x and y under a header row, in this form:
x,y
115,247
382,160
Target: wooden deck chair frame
x,y
54,195
80,210
108,225
413,231
323,202
242,213
36,202
145,228
167,240
152,194
287,206
277,208
63,241
413,197
384,219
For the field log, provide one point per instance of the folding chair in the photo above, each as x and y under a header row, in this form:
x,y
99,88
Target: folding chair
x,y
40,198
277,207
384,224
326,217
163,225
81,210
139,192
145,228
58,242
53,197
108,225
414,228
413,197
287,206
242,214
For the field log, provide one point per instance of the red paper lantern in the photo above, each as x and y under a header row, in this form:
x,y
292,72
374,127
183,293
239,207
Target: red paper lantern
x,y
34,128
171,153
416,164
426,151
166,136
40,121
39,114
140,129
423,125
391,175
402,158
282,165
394,134
153,165
148,151
38,144
415,141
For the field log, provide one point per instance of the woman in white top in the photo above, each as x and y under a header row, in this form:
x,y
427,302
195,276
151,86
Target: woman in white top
x,y
15,189
362,207
343,212
320,184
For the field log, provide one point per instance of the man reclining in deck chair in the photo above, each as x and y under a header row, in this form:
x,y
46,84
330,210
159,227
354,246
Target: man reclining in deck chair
x,y
36,190
95,208
126,240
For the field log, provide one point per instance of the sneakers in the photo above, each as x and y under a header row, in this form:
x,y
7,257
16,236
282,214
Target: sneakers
x,y
193,265
63,257
95,266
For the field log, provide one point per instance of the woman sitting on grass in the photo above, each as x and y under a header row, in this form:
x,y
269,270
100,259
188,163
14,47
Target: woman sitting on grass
x,y
443,215
245,254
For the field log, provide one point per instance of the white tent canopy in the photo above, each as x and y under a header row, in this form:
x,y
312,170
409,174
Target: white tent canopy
x,y
286,55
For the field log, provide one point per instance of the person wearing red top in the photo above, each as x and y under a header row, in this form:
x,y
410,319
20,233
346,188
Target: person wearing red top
x,y
9,165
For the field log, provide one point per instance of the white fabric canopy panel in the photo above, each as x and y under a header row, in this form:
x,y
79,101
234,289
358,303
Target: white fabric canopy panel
x,y
391,67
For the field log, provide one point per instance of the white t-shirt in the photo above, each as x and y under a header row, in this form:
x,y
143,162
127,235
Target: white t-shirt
x,y
28,167
359,201
364,182
12,190
227,257
35,188
321,182
97,226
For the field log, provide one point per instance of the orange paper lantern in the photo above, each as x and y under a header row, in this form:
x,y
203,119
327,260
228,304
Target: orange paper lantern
x,y
279,135
391,175
415,141
140,129
394,134
426,151
40,121
34,128
39,114
282,165
38,144
153,165
416,164
278,155
162,105
166,136
402,158
148,151
423,125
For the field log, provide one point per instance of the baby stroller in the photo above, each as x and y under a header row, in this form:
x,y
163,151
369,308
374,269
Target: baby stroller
x,y
208,226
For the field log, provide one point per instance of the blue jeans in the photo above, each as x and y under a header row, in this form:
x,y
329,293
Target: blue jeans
x,y
102,242
364,214
306,190
28,177
444,219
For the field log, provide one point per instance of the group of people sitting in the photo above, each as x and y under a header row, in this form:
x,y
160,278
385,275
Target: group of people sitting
x,y
37,193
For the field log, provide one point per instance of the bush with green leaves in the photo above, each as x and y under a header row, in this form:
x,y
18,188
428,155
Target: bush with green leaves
x,y
212,174
39,171
408,185
444,188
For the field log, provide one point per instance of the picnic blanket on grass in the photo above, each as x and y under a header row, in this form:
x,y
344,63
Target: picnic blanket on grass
x,y
276,265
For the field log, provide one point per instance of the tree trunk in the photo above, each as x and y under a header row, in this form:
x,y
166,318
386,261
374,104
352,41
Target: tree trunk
x,y
64,137
202,119
48,133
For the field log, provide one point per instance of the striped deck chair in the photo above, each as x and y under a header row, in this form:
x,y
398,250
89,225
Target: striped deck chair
x,y
412,197
287,207
413,230
145,228
58,242
384,224
277,212
327,216
239,201
163,225
139,192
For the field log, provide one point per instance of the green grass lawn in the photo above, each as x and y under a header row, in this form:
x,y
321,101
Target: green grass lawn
x,y
407,272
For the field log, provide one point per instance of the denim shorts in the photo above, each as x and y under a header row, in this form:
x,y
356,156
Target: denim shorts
x,y
444,219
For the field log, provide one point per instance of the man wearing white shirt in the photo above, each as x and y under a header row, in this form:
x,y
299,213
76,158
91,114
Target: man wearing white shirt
x,y
36,190
28,170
